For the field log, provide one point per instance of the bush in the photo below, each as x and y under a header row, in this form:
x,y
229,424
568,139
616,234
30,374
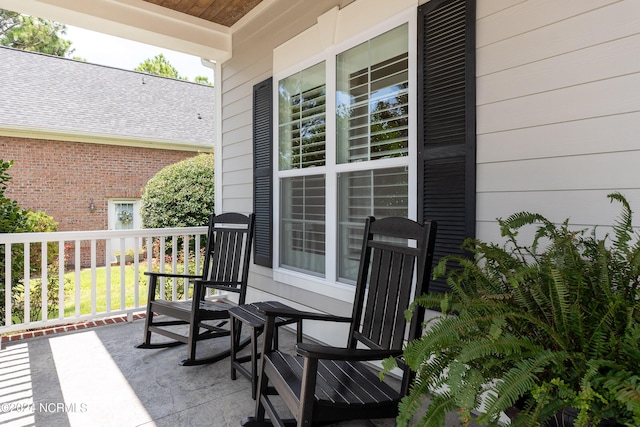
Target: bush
x,y
35,297
180,195
548,325
38,222
12,220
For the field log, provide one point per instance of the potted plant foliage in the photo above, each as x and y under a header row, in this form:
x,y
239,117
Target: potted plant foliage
x,y
551,327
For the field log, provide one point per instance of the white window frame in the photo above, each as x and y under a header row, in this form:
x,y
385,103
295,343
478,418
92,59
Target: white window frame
x,y
329,284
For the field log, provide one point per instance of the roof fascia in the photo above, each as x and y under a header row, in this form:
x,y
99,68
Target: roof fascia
x,y
56,135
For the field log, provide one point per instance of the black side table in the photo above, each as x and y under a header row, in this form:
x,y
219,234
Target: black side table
x,y
249,314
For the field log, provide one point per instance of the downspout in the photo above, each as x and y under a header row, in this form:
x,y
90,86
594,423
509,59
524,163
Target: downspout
x,y
216,67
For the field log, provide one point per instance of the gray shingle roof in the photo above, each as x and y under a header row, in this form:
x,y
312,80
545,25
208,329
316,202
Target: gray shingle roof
x,y
53,94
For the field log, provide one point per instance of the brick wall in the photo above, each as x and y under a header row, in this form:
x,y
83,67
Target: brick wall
x,y
61,178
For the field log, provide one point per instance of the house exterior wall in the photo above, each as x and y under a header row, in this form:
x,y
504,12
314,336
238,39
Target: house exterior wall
x,y
62,178
557,113
557,110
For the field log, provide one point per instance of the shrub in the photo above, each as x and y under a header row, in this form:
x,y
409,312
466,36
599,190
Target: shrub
x,y
12,220
38,222
180,195
35,297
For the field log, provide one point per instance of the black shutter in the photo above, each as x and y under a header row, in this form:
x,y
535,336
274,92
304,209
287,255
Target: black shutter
x,y
446,115
263,172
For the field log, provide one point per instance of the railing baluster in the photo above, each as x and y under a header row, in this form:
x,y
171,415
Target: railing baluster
x,y
162,261
136,271
61,282
197,253
123,265
185,270
174,268
149,253
44,278
77,276
94,277
107,271
26,318
7,284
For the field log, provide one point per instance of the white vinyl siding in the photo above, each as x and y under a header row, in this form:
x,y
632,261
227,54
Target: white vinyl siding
x,y
558,122
558,110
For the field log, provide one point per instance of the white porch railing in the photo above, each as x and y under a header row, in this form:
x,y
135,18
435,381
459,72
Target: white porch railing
x,y
78,248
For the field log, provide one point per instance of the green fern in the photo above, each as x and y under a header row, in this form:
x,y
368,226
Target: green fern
x,y
553,322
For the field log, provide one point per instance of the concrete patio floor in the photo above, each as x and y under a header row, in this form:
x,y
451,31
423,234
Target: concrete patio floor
x,y
96,377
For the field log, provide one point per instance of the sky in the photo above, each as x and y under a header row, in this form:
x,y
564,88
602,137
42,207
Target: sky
x,y
103,49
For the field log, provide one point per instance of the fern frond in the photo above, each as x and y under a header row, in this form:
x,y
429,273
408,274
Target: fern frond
x,y
411,403
518,220
439,405
627,392
560,301
516,382
504,347
622,227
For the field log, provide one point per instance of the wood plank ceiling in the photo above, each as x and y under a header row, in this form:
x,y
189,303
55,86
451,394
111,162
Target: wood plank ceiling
x,y
223,12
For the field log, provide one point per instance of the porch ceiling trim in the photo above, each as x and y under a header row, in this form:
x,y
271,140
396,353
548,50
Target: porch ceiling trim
x,y
135,20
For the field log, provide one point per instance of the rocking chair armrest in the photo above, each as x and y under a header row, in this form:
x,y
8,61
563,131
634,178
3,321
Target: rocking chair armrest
x,y
318,351
153,280
223,286
171,275
292,313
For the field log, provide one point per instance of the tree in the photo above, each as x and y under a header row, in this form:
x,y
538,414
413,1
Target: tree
x,y
203,80
33,34
159,66
180,195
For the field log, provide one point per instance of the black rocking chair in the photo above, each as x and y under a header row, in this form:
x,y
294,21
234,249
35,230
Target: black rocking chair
x,y
226,268
322,384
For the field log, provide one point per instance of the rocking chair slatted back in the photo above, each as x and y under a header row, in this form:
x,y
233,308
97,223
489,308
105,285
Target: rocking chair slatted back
x,y
227,260
326,384
383,293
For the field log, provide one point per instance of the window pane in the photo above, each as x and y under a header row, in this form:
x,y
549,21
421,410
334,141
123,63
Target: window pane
x,y
124,216
372,99
302,118
381,193
302,224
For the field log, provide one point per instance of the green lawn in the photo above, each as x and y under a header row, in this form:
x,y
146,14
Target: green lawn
x,y
101,289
